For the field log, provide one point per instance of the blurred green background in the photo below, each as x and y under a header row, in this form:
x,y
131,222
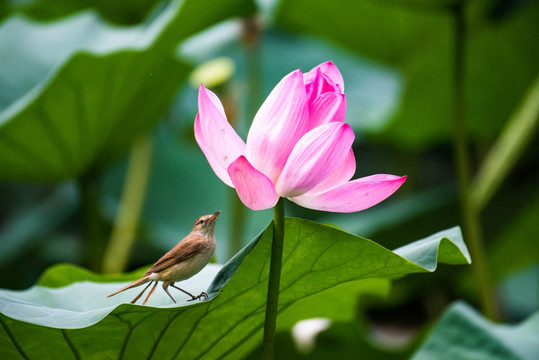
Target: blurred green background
x,y
98,99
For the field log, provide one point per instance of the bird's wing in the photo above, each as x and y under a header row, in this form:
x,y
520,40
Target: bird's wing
x,y
184,250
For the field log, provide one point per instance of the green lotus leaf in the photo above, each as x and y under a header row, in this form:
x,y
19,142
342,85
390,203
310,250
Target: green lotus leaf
x,y
324,269
462,333
79,91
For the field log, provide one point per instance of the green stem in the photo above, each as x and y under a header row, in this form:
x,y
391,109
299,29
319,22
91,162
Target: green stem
x,y
134,190
472,226
93,224
251,43
513,141
237,223
274,280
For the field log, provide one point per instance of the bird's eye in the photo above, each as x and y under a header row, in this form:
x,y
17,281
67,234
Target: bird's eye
x,y
201,221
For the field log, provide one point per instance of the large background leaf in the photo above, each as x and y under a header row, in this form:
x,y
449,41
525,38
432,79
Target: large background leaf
x,y
323,267
81,101
462,333
120,11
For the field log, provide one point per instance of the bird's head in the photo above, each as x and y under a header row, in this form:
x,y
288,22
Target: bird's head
x,y
205,224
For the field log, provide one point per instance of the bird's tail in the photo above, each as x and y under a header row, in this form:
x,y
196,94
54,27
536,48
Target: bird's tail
x,y
136,283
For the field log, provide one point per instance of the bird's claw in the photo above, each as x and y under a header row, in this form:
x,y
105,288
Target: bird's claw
x,y
202,294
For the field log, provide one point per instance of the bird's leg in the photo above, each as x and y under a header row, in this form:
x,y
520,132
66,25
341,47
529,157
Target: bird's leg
x,y
165,286
193,297
142,292
150,293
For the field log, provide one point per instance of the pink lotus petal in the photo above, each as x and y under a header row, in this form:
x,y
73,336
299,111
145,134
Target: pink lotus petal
x,y
321,84
352,196
315,157
340,176
278,125
213,99
330,70
215,136
326,108
333,73
254,188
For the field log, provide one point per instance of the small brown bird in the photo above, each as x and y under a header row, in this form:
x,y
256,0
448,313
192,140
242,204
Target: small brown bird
x,y
186,259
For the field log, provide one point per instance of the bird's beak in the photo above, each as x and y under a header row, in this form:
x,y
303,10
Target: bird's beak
x,y
214,216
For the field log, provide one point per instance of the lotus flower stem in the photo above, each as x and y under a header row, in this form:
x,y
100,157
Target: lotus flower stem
x,y
274,280
472,225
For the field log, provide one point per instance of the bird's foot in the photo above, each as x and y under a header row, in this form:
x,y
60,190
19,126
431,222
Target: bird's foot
x,y
202,295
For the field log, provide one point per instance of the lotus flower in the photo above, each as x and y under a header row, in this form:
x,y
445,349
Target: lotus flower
x,y
298,147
